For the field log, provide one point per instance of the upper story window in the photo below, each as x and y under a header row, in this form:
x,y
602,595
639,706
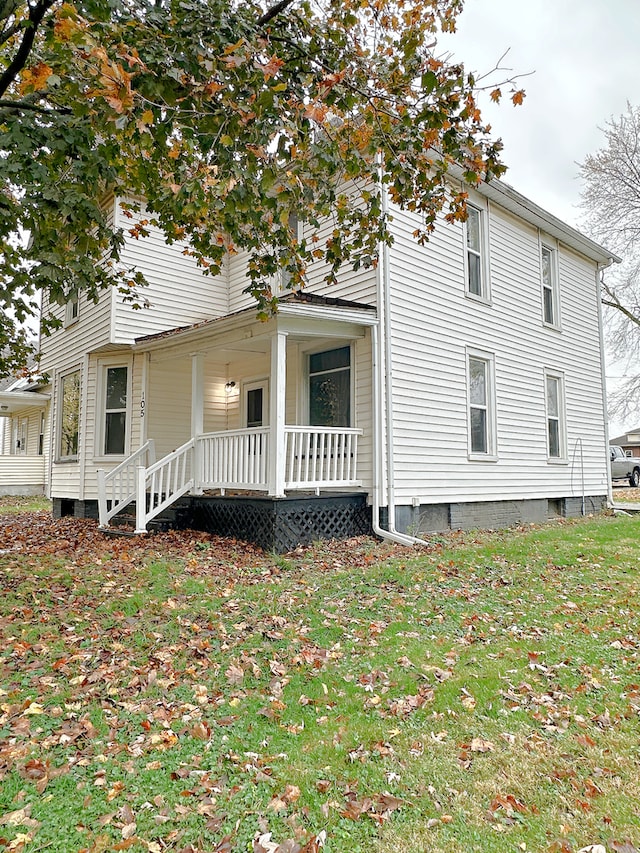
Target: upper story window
x,y
556,429
69,418
330,388
481,407
71,311
295,227
476,254
550,292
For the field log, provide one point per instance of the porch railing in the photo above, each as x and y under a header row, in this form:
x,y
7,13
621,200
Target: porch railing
x,y
236,459
317,457
117,488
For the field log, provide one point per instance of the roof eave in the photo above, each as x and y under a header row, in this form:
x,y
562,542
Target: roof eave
x,y
510,199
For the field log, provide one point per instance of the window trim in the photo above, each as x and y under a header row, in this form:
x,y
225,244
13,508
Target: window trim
x,y
59,458
282,278
71,316
253,385
19,436
488,358
558,376
550,246
485,278
101,409
306,375
42,426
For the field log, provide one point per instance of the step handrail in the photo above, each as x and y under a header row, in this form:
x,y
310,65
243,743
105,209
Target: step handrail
x,y
117,488
163,483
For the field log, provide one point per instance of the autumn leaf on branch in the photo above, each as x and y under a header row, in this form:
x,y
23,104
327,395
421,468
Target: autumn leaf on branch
x,y
225,117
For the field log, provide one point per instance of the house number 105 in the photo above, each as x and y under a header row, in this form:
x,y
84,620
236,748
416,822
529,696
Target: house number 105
x,y
142,405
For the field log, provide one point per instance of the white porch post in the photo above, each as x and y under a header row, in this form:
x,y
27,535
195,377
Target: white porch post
x,y
197,416
277,414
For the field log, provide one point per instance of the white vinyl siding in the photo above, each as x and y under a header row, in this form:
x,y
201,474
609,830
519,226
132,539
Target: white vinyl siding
x,y
179,292
22,475
433,324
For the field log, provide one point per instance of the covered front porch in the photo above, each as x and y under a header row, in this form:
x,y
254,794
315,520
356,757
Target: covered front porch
x,y
22,441
273,409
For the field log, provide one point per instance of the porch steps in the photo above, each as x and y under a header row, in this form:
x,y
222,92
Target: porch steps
x,y
118,531
174,516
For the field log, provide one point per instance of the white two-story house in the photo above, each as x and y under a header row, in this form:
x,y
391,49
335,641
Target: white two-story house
x,y
456,385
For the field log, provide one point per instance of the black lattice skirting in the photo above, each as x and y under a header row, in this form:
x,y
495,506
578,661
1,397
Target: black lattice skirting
x,y
282,524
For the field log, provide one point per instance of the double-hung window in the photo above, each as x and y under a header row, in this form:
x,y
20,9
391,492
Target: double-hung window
x,y
556,432
69,418
481,405
115,410
475,238
71,311
550,293
41,434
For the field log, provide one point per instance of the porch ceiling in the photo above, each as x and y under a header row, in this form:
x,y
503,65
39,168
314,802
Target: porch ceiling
x,y
16,401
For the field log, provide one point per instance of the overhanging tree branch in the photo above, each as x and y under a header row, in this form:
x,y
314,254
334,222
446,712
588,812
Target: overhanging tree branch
x,y
7,107
36,15
274,11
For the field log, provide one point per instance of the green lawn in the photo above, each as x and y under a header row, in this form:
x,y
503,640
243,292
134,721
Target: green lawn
x,y
191,694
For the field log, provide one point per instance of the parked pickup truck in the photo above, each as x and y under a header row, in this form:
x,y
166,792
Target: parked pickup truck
x,y
624,467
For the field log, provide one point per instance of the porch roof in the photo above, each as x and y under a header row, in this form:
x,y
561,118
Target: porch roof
x,y
302,305
13,401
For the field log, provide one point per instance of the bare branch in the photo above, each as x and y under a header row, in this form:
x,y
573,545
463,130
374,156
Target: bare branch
x,y
274,11
36,15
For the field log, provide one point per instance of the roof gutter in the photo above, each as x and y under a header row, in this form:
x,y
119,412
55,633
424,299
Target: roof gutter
x,y
510,199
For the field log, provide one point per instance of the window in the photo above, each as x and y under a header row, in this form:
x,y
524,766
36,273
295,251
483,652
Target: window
x,y
296,229
69,416
115,408
555,417
330,388
475,254
41,435
550,297
255,404
481,406
19,436
71,311
254,408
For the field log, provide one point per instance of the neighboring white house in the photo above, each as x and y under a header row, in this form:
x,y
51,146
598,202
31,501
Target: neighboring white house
x,y
24,424
457,385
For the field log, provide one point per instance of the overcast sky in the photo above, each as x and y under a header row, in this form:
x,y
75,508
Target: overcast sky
x,y
584,56
585,59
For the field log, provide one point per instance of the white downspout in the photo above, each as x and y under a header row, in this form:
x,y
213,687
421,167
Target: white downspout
x,y
383,414
599,270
